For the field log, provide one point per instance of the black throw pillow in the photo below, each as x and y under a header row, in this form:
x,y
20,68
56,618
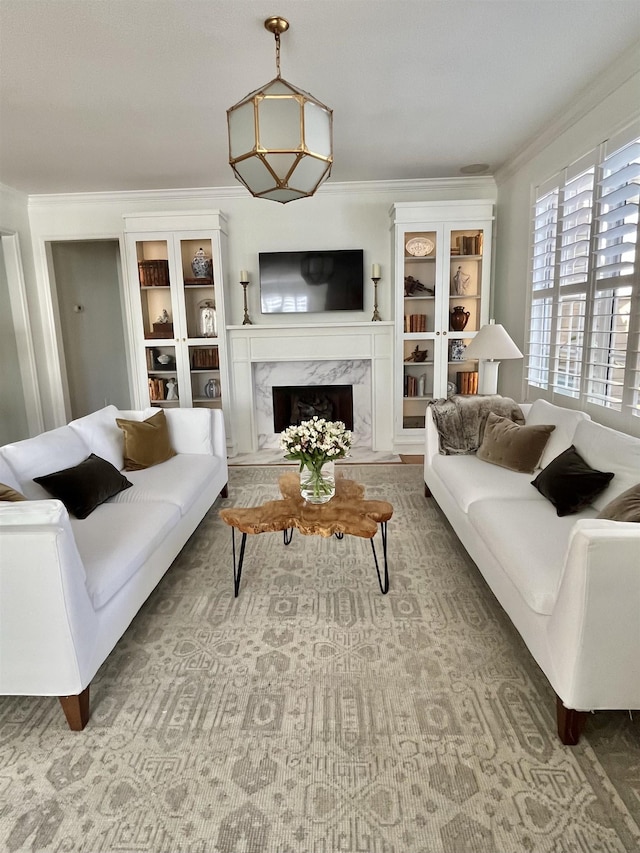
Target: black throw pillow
x,y
85,486
570,483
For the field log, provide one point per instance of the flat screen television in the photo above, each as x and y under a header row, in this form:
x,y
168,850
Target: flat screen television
x,y
311,282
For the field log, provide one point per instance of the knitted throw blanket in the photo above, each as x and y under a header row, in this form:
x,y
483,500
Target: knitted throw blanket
x,y
461,420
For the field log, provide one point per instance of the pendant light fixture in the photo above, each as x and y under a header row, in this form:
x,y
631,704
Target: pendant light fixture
x,y
280,138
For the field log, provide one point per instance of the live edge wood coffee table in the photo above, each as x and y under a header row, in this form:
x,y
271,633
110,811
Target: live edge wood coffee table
x,y
347,512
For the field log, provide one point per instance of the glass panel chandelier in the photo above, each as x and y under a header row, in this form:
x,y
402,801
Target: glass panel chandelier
x,y
280,138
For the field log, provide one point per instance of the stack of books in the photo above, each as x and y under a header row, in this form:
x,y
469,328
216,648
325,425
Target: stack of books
x,y
415,323
467,382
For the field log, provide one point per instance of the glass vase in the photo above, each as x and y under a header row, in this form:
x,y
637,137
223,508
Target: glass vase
x,y
318,481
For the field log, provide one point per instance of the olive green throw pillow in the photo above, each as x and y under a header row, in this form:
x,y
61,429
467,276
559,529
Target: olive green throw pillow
x,y
626,507
9,494
513,446
146,443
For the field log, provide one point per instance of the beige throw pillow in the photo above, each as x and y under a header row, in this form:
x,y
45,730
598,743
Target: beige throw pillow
x,y
626,507
146,443
9,494
512,446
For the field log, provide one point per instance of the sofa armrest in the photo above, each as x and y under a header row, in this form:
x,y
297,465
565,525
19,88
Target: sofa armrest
x,y
431,438
48,626
594,630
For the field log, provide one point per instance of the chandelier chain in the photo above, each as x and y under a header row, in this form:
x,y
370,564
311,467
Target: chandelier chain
x,y
277,36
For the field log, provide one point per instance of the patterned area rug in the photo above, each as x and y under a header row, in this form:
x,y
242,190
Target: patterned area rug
x,y
315,715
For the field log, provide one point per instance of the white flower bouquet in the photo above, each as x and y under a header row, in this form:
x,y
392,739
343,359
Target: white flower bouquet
x,y
313,443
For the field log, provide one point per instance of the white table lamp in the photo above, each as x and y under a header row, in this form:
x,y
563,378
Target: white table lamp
x,y
490,346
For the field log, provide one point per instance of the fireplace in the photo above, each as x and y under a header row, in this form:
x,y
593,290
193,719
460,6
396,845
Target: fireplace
x,y
295,403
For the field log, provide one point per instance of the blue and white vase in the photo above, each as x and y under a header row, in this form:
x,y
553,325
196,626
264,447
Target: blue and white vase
x,y
201,265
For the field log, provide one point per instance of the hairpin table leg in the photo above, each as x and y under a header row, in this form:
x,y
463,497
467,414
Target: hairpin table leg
x,y
237,572
384,584
287,535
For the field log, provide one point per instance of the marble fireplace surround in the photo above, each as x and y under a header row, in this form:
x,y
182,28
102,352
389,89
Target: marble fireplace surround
x,y
356,354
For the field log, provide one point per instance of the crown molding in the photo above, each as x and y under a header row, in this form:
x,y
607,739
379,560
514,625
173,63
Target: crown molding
x,y
424,186
625,67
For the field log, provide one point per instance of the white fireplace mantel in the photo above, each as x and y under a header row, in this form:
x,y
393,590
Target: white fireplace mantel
x,y
305,342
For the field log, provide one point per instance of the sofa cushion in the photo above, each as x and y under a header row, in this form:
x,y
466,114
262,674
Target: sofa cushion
x,y
566,422
609,450
115,541
50,451
100,433
146,443
469,479
190,430
626,507
529,541
512,446
570,483
179,481
84,487
8,493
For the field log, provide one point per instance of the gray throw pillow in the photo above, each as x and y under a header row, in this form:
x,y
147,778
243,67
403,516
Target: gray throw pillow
x,y
626,507
512,446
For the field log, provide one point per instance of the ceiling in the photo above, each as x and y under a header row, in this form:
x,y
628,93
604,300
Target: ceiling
x,y
100,95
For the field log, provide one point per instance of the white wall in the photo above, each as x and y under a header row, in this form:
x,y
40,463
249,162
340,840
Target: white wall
x,y
339,216
22,385
618,103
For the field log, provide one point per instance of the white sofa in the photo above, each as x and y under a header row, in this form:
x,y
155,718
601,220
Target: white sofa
x,y
69,588
570,585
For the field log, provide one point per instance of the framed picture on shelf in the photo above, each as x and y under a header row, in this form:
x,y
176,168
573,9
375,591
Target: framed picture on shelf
x,y
457,349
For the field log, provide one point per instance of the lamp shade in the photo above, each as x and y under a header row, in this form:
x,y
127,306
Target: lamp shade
x,y
492,342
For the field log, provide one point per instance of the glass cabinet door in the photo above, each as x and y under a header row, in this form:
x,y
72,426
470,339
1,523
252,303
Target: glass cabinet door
x,y
465,309
201,320
158,312
420,322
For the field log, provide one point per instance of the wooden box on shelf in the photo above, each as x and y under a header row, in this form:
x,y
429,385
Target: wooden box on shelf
x,y
153,273
162,330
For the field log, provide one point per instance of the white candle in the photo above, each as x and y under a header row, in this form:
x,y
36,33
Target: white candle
x,y
244,275
375,271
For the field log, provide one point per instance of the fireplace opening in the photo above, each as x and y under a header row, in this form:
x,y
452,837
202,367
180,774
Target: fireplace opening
x,y
293,404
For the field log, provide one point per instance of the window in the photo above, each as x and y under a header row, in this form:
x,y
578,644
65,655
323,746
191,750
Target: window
x,y
584,310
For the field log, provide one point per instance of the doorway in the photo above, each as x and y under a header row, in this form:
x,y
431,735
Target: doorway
x,y
87,284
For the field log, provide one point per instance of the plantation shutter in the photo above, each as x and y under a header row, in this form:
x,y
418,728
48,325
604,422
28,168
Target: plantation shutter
x,y
613,374
574,237
545,220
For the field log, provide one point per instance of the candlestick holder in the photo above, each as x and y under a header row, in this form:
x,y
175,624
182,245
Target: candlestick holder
x,y
376,313
246,321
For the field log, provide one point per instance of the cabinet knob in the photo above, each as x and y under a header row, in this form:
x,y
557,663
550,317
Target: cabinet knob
x,y
444,334
437,333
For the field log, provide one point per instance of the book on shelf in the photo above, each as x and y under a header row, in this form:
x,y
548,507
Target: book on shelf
x,y
156,389
205,358
468,245
412,386
415,323
467,381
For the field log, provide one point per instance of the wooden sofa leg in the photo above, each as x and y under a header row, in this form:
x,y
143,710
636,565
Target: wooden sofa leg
x,y
570,723
224,492
427,491
76,709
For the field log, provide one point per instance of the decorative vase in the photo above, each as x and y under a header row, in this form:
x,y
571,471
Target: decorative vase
x,y
201,265
459,318
212,389
318,481
207,319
